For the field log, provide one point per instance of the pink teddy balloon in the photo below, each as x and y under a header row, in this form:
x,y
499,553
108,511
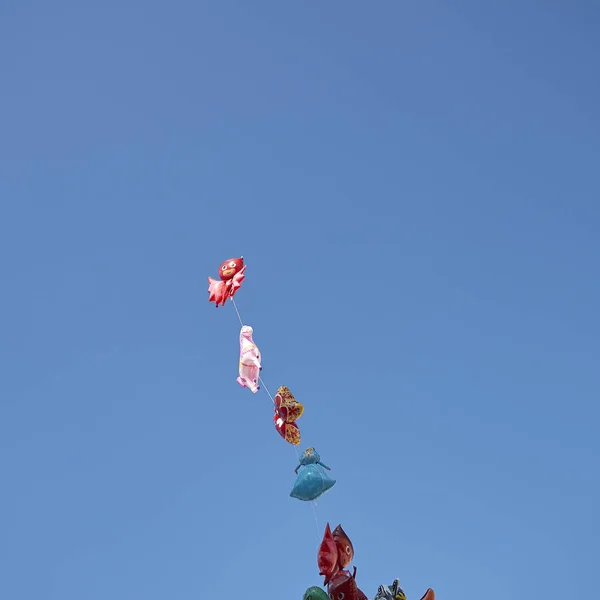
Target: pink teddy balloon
x,y
249,360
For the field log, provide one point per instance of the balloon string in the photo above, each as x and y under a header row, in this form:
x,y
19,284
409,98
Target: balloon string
x,y
266,389
237,311
313,503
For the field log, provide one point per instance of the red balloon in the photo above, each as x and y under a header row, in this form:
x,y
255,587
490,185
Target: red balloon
x,y
344,547
343,587
232,274
230,268
327,557
335,553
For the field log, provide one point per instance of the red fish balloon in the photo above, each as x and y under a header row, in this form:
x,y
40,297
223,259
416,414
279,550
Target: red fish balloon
x,y
327,557
343,587
335,553
232,274
344,547
287,411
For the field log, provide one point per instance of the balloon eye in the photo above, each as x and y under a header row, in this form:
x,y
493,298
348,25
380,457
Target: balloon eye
x,y
332,596
224,268
341,596
348,550
232,264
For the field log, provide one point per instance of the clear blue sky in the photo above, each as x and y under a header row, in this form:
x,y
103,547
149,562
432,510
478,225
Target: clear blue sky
x,y
415,187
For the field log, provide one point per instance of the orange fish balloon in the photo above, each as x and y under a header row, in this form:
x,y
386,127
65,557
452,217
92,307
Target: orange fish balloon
x,y
345,550
335,553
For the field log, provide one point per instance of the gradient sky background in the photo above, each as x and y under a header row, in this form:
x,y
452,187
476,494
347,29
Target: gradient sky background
x,y
415,187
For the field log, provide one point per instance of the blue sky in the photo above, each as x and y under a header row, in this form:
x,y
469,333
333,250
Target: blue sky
x,y
415,189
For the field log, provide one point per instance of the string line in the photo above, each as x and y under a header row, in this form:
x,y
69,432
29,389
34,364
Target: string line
x,y
237,311
314,507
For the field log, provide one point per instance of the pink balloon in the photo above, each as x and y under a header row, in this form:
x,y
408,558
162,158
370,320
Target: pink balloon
x,y
250,366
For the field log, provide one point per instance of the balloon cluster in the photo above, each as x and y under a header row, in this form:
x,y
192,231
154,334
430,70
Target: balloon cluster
x,y
312,481
333,557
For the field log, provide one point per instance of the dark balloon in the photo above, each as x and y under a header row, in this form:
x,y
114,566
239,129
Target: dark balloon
x,y
343,587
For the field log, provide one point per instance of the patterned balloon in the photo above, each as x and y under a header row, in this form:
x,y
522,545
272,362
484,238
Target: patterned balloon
x,y
287,411
394,592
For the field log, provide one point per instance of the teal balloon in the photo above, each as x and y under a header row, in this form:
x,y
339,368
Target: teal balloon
x,y
312,480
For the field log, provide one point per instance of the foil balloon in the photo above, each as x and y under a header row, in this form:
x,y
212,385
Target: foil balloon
x,y
232,274
327,556
394,592
249,366
312,481
287,411
343,587
335,553
315,593
345,550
